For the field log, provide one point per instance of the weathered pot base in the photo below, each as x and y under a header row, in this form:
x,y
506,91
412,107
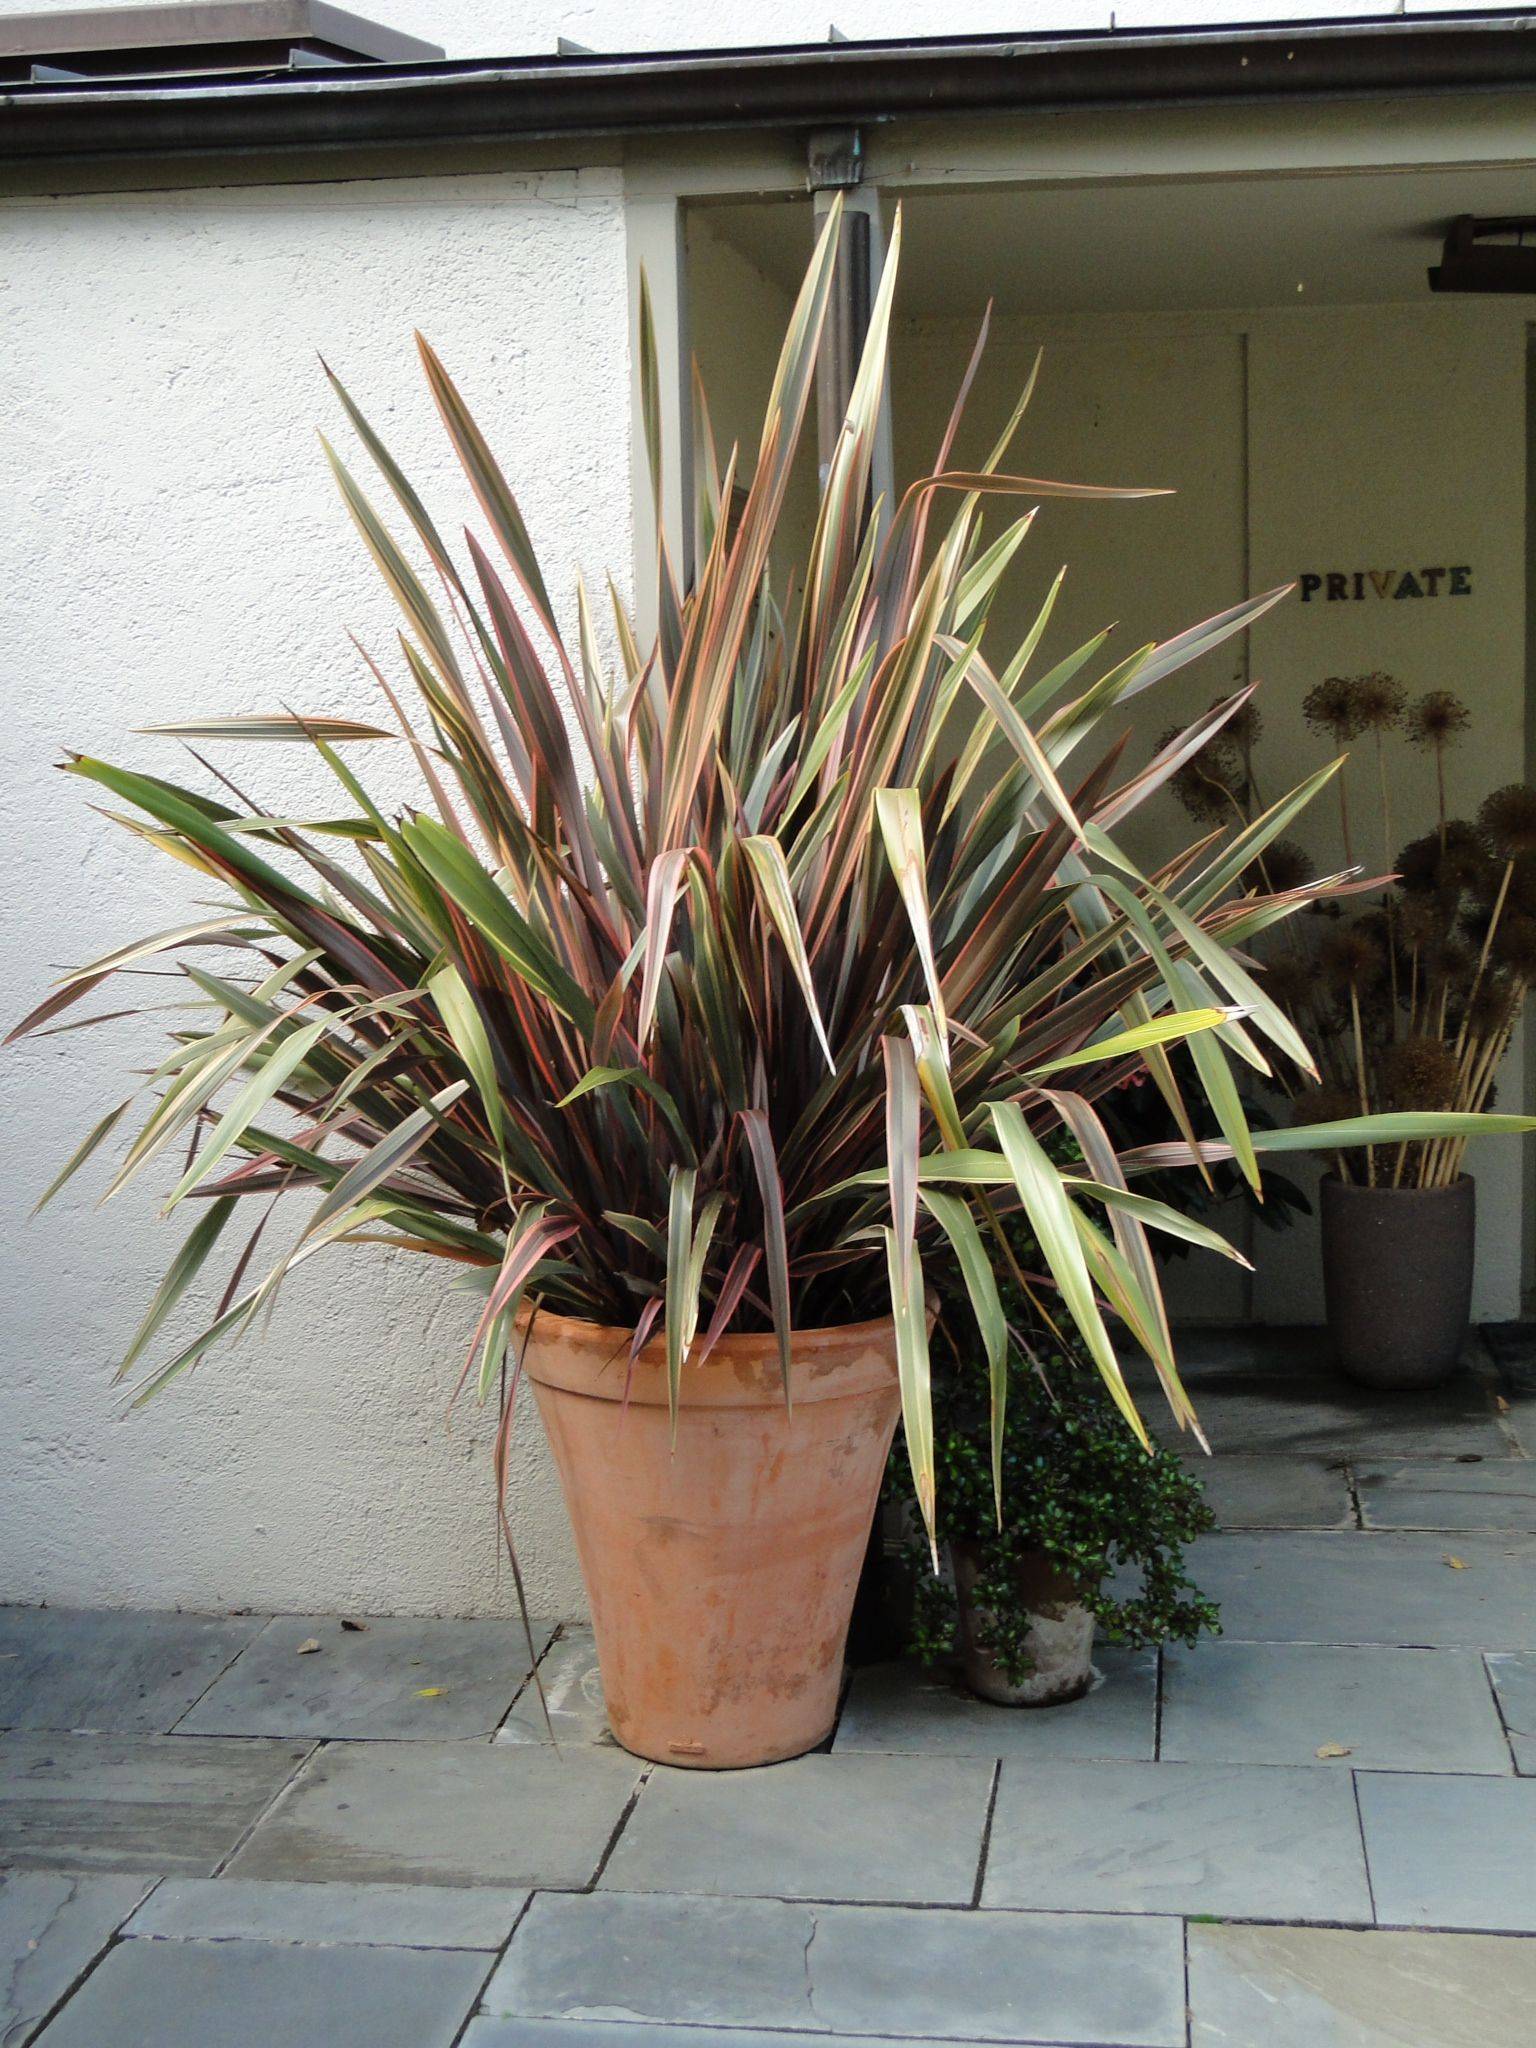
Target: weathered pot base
x,y
721,1571
1059,1639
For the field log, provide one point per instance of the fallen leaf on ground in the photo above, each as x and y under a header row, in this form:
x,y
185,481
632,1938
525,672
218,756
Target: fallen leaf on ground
x,y
1332,1749
308,1649
1457,1564
354,1628
431,1692
1501,1404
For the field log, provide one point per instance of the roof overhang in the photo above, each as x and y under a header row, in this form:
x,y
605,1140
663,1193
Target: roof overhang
x,y
812,85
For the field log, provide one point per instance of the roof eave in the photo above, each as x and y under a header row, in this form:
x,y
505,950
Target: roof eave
x,y
805,86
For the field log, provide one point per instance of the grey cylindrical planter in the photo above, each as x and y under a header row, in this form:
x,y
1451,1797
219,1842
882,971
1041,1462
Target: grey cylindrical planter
x,y
1060,1640
1397,1279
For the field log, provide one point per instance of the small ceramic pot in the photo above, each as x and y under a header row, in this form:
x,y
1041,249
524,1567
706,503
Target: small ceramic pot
x,y
1059,1641
1397,1279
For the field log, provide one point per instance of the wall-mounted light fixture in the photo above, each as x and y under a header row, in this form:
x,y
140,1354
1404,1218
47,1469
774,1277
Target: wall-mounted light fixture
x,y
1487,256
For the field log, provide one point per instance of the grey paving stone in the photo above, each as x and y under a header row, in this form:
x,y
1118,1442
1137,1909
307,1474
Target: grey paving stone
x,y
1514,1684
1279,1703
905,1707
1246,1490
1451,1852
444,1813
573,1695
397,1679
940,1975
1448,1493
1278,1390
324,1915
504,2033
51,1925
116,1673
1313,1987
885,1828
1360,1588
246,1994
1226,1839
162,1804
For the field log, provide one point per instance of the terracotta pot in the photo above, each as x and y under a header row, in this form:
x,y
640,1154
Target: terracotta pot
x,y
1059,1641
1397,1279
720,1574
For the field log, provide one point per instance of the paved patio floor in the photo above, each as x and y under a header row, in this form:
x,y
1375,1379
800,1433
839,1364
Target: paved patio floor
x,y
1318,1832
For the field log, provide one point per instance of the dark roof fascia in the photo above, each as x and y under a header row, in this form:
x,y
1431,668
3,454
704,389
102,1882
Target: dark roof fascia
x,y
806,86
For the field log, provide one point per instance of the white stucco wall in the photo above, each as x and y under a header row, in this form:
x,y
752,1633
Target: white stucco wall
x,y
172,543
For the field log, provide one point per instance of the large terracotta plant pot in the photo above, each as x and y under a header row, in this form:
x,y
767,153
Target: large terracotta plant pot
x,y
1397,1279
720,1574
1060,1639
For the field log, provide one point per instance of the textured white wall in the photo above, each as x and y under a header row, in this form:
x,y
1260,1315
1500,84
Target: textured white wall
x,y
172,543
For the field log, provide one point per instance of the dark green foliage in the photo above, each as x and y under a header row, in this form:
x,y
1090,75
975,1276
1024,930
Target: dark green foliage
x,y
1076,1484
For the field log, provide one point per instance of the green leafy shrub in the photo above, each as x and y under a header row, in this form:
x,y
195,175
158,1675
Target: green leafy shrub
x,y
1076,1485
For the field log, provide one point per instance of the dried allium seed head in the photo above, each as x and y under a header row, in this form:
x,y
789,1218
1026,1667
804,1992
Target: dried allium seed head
x,y
1324,1104
1244,727
1489,1012
1451,961
1514,945
1288,981
1352,956
1332,708
1522,885
1460,864
1436,719
1422,920
1379,701
1287,865
1508,821
1211,784
1419,1073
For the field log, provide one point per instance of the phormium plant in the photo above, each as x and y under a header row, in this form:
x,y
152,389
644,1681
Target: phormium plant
x,y
717,990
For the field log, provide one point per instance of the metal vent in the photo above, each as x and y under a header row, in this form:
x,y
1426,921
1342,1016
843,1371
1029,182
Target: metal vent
x,y
184,41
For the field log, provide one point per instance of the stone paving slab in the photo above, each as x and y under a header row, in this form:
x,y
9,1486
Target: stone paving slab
x,y
940,1975
1451,1852
523,2033
908,1707
118,1673
396,1679
161,1804
1280,1703
1514,1684
1277,1391
51,1926
1387,1588
328,1915
1448,1493
884,1828
246,1994
573,1696
1247,1490
1226,1839
1298,1987
444,1813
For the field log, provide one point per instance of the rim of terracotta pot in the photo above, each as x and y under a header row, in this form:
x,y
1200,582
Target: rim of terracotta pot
x,y
1352,1187
832,1362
